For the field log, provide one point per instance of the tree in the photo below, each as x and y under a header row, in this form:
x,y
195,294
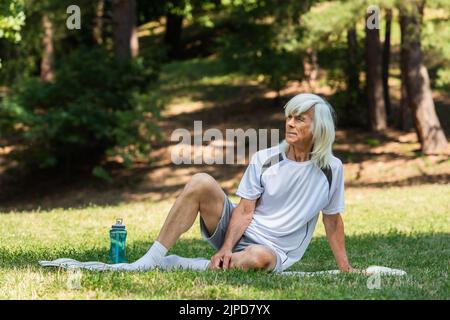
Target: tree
x,y
174,25
340,54
97,30
385,61
375,96
404,117
352,72
310,67
419,95
125,41
47,66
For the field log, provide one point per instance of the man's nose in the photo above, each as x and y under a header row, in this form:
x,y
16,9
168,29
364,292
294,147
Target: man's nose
x,y
290,122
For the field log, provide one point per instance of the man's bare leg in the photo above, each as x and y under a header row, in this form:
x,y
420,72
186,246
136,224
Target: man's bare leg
x,y
202,193
256,257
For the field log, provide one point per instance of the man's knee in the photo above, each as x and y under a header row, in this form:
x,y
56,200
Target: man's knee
x,y
262,258
255,257
199,183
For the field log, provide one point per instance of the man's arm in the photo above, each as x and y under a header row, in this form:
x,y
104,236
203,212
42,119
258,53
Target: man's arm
x,y
240,219
334,228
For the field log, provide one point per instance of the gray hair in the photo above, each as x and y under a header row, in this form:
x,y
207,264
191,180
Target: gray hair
x,y
323,128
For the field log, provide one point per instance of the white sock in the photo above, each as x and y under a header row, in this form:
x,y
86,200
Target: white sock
x,y
150,260
176,262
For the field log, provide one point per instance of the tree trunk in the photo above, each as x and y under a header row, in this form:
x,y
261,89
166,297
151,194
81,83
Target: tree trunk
x,y
97,31
47,68
375,96
418,88
172,37
386,58
354,113
404,117
310,68
352,62
125,42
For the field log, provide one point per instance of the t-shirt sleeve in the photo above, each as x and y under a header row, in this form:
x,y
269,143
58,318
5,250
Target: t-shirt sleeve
x,y
336,202
250,186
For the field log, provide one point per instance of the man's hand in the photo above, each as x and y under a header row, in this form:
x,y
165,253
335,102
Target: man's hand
x,y
222,259
350,269
241,218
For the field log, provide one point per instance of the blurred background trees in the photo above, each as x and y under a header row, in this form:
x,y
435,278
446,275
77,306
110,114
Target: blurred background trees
x,y
75,97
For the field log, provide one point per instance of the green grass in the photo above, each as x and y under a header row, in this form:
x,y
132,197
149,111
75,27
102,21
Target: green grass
x,y
407,228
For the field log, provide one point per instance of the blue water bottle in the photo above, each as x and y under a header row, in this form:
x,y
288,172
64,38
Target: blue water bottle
x,y
118,236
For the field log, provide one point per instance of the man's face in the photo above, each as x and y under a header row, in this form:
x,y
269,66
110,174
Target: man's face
x,y
299,127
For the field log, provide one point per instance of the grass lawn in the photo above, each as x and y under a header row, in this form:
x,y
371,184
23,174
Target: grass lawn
x,y
406,228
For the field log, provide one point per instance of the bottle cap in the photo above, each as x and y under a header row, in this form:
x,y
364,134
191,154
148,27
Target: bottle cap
x,y
119,224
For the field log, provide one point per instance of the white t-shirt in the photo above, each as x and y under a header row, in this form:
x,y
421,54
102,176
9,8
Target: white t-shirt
x,y
291,195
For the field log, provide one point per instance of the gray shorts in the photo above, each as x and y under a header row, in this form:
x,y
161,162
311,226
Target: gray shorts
x,y
216,240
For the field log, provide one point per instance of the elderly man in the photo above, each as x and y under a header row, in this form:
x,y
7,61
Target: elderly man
x,y
282,192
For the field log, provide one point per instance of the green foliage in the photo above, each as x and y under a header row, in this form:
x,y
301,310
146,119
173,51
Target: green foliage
x,y
264,41
100,106
101,173
12,19
191,10
250,52
350,108
373,142
443,80
436,46
97,105
326,21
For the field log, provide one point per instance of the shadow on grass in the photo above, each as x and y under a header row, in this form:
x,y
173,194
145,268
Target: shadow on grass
x,y
424,256
421,253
